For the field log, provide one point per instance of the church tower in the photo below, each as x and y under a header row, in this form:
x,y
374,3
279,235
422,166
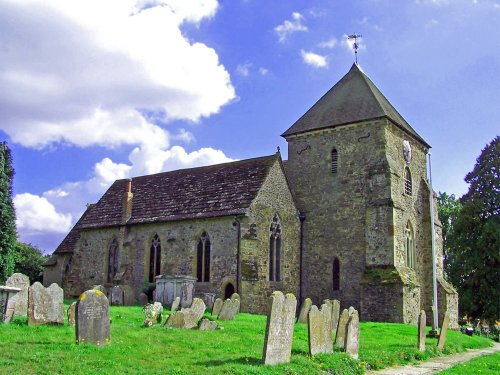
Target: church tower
x,y
358,172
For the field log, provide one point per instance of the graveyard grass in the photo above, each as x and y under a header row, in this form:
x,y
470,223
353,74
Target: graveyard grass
x,y
484,365
235,350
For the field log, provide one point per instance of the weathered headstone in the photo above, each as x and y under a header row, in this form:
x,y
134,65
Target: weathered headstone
x,y
319,329
45,305
7,303
352,335
198,307
99,288
71,314
340,338
117,295
21,281
279,329
444,330
10,310
304,311
187,292
217,307
209,299
128,295
175,304
207,325
143,299
421,331
351,310
229,309
183,319
92,318
335,316
234,297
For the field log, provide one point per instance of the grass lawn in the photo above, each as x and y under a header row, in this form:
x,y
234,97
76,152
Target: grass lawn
x,y
485,365
235,350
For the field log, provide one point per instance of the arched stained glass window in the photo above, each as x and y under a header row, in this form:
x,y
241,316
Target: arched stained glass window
x,y
154,258
203,258
275,250
113,260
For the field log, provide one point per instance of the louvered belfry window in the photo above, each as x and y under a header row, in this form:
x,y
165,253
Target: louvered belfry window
x,y
154,258
335,159
407,181
203,258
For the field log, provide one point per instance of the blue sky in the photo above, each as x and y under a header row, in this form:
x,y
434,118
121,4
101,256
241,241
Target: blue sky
x,y
96,90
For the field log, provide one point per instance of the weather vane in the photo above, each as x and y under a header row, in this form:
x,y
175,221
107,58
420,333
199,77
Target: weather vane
x,y
355,46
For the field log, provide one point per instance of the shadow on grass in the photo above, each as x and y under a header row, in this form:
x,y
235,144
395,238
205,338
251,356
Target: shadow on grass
x,y
239,361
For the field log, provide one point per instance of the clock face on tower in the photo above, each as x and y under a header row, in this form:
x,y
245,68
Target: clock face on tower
x,y
407,151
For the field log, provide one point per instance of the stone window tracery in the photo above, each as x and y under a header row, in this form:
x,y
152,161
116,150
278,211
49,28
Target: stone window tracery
x,y
335,158
336,274
154,258
275,250
407,181
203,258
409,246
113,260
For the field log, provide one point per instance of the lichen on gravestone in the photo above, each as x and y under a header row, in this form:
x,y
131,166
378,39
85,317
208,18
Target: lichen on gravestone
x,y
319,330
304,311
92,318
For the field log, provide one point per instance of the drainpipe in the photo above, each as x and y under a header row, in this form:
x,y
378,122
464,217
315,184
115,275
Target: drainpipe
x,y
302,217
237,223
435,323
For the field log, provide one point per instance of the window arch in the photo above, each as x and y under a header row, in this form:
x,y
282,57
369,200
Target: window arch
x,y
335,158
336,274
113,259
409,246
203,258
407,181
154,258
275,250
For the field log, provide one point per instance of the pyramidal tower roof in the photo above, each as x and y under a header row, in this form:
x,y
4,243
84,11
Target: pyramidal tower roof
x,y
353,99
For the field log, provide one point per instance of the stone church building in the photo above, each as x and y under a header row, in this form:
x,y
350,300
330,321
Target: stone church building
x,y
347,216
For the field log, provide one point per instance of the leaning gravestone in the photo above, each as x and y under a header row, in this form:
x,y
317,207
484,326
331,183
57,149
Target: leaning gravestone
x,y
21,281
234,297
421,331
217,307
340,338
175,304
71,314
207,325
92,319
444,330
279,329
319,330
45,305
229,309
352,335
186,319
117,295
335,316
304,311
198,307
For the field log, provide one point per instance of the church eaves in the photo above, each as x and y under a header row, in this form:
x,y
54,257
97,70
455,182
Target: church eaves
x,y
353,99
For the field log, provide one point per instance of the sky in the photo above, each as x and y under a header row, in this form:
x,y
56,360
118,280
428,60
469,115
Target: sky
x,y
97,90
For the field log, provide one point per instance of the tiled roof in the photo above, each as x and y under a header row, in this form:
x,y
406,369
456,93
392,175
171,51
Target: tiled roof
x,y
216,190
354,98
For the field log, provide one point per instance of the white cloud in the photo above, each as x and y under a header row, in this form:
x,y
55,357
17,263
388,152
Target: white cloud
x,y
243,69
289,27
314,59
75,72
330,43
37,214
263,71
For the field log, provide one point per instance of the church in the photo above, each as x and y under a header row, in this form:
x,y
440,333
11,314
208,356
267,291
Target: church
x,y
347,216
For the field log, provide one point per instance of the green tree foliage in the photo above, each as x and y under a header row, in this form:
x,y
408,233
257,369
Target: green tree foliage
x,y
449,208
29,260
8,235
474,267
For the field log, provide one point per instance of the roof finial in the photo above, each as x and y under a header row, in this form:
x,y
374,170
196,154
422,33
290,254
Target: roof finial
x,y
355,46
278,150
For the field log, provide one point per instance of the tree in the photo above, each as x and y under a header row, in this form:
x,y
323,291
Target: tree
x,y
8,235
29,260
449,208
474,267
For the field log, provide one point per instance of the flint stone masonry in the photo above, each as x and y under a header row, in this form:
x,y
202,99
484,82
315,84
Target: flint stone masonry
x,y
45,305
117,295
229,309
421,331
207,325
304,311
279,329
92,319
217,307
320,330
341,329
71,314
351,345
21,281
7,303
175,304
444,330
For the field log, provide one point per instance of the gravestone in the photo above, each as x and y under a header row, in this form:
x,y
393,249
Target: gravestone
x,y
21,281
186,319
176,320
335,316
351,310
304,311
71,314
7,303
209,299
444,330
198,307
229,309
45,305
279,329
207,325
352,335
128,295
319,329
92,318
343,320
143,299
99,288
421,331
175,304
217,307
234,297
117,296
